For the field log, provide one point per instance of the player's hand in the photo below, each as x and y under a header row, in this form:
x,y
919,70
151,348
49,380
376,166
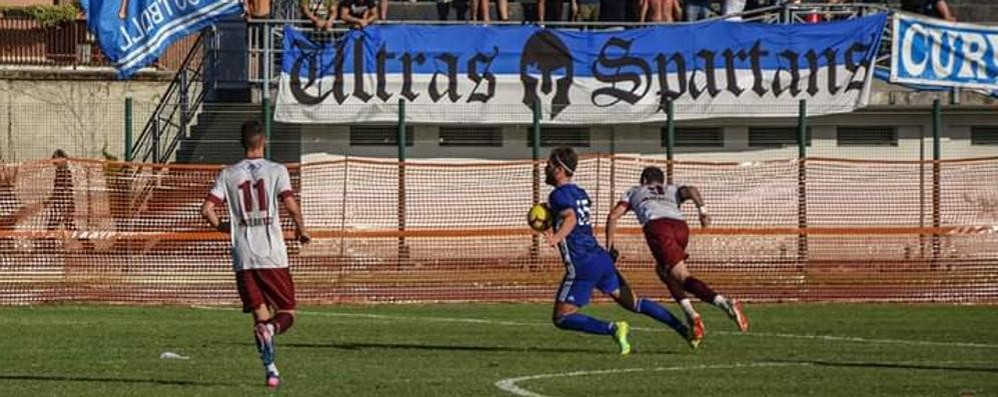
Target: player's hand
x,y
224,227
303,237
550,237
614,254
704,220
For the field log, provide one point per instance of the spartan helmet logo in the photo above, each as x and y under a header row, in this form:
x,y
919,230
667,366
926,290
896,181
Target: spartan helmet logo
x,y
546,55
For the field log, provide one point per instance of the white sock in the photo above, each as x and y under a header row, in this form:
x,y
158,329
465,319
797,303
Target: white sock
x,y
721,302
272,368
688,308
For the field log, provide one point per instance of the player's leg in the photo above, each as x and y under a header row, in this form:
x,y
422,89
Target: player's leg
x,y
279,289
700,289
249,286
572,295
732,307
620,290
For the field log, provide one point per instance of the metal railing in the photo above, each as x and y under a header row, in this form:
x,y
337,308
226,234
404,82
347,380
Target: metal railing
x,y
170,122
29,42
265,36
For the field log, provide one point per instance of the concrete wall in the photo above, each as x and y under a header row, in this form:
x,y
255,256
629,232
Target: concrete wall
x,y
913,129
81,117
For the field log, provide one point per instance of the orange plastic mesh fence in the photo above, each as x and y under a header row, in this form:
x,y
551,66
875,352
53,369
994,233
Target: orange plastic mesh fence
x,y
822,229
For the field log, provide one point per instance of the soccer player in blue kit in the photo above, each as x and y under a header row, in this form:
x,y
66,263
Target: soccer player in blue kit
x,y
587,264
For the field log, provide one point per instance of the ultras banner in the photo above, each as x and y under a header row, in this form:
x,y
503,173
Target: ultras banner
x,y
939,53
483,74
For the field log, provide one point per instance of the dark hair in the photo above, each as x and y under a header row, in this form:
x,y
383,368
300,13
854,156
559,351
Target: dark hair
x,y
59,154
252,135
652,175
566,158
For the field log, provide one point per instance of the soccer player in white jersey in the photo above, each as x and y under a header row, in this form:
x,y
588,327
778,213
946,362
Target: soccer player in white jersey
x,y
251,190
656,205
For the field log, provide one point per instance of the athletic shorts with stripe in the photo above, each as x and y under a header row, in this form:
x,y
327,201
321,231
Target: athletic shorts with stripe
x,y
667,240
271,287
581,277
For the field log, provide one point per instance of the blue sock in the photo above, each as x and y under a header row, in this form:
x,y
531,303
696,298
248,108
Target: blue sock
x,y
583,323
660,313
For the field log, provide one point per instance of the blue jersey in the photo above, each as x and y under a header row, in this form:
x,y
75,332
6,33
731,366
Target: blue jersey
x,y
580,244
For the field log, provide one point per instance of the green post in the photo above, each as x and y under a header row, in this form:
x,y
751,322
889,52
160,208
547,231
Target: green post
x,y
401,131
535,144
802,129
802,237
937,154
267,127
535,131
128,129
403,249
670,137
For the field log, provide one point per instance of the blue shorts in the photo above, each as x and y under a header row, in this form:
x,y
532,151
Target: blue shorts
x,y
580,279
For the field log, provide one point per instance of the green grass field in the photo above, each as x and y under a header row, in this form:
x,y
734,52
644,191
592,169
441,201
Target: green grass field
x,y
465,350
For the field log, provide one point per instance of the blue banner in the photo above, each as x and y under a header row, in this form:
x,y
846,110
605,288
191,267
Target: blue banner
x,y
723,68
935,52
134,33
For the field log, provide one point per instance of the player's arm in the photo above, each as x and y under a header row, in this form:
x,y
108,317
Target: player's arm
x,y
300,232
611,224
692,193
567,224
208,213
215,197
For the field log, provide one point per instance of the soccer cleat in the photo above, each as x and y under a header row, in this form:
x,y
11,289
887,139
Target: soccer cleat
x,y
620,331
696,332
738,315
273,380
265,343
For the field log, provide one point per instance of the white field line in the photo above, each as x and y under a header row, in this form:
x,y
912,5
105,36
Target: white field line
x,y
510,385
465,320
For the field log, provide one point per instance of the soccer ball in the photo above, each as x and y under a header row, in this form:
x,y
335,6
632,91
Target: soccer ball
x,y
539,217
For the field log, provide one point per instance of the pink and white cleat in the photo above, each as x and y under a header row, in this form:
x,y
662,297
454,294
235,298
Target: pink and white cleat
x,y
273,380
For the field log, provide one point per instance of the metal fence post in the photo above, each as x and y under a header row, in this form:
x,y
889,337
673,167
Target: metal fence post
x,y
155,140
937,155
535,144
265,104
403,250
802,237
128,129
670,138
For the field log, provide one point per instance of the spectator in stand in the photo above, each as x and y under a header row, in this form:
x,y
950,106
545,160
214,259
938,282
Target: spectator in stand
x,y
729,7
696,10
552,10
933,8
614,11
460,9
654,10
322,13
359,13
480,10
529,8
586,10
383,10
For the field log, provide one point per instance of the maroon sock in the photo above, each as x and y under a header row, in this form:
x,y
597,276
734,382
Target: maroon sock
x,y
675,289
282,322
699,289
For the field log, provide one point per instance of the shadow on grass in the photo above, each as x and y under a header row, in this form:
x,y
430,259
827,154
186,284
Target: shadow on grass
x,y
905,366
455,348
76,378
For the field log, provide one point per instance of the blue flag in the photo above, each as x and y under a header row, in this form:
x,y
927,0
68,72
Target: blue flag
x,y
134,33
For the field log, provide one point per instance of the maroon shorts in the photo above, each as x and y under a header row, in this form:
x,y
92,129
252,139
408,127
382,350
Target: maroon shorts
x,y
667,239
271,287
